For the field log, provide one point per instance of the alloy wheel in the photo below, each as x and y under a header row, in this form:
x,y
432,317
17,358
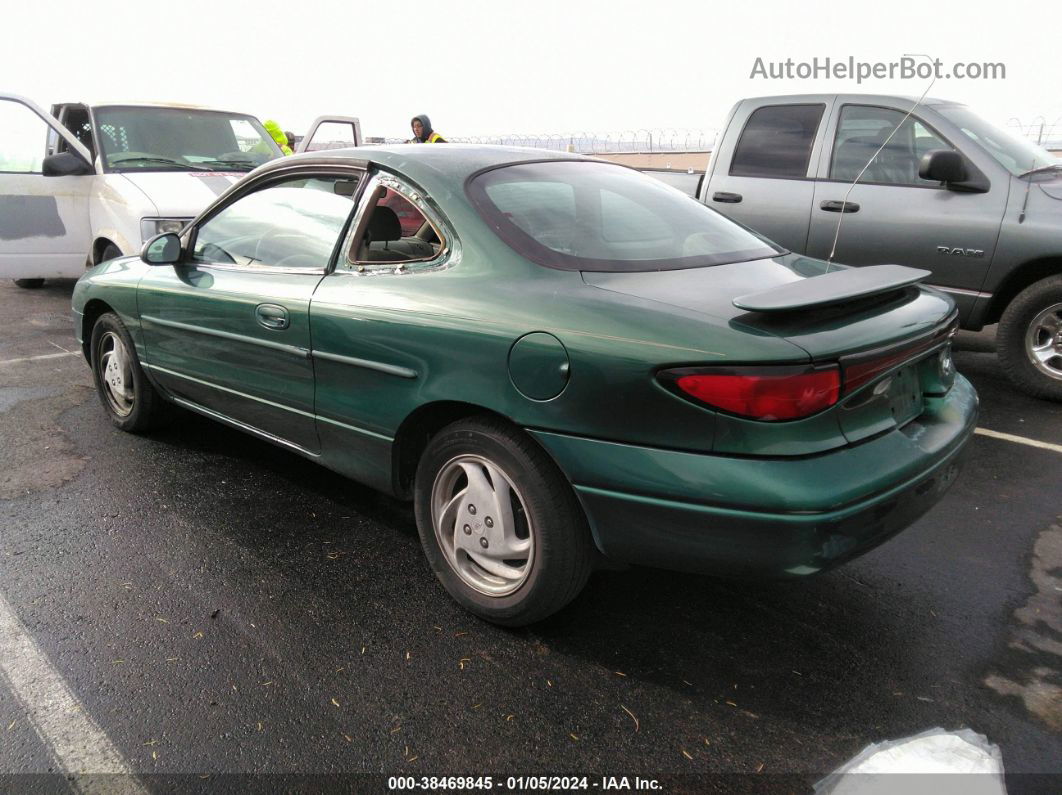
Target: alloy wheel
x,y
1043,341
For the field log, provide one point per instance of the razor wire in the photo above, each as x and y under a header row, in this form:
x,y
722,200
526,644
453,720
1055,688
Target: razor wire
x,y
640,141
1039,130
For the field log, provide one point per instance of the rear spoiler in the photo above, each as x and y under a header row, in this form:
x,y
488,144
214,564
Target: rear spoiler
x,y
834,287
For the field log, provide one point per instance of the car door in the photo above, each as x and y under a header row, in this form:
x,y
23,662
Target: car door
x,y
331,132
894,216
762,176
366,338
44,220
228,329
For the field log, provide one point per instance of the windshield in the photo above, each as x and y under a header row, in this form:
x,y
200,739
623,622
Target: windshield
x,y
1016,154
584,215
180,139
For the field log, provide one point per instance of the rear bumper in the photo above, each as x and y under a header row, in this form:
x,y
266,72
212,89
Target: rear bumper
x,y
766,517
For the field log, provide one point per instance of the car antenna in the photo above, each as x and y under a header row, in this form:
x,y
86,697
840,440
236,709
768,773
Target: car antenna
x,y
844,201
1028,184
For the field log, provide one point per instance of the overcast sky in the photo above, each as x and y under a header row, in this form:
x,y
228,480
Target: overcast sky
x,y
536,66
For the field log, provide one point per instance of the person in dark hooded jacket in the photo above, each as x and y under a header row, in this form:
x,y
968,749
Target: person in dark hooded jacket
x,y
423,133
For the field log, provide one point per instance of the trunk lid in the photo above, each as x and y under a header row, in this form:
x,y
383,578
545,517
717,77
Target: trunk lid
x,y
892,346
826,332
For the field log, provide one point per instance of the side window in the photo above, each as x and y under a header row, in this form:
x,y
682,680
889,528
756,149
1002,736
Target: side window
x,y
861,131
332,135
76,120
397,231
291,224
24,140
777,142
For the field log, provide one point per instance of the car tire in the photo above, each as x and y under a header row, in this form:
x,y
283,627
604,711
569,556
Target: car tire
x,y
479,462
110,251
30,284
1029,339
130,400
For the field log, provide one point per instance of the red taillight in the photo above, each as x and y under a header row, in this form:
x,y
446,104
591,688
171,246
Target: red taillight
x,y
770,394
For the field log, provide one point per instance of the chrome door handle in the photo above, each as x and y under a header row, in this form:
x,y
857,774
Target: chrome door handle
x,y
272,316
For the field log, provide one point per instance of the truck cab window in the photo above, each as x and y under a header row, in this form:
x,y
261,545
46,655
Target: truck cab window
x,y
860,133
777,142
75,118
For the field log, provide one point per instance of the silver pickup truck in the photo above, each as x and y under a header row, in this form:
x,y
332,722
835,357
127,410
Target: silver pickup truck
x,y
979,207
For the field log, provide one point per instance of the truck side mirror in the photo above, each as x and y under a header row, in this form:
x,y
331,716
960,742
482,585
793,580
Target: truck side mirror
x,y
942,165
65,164
164,249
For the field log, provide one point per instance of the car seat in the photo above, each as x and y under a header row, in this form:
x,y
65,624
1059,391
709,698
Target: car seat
x,y
384,228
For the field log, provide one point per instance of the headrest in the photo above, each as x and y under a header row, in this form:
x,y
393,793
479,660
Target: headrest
x,y
384,224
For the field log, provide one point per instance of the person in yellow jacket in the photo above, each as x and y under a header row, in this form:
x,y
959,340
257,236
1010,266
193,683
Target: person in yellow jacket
x,y
423,133
277,135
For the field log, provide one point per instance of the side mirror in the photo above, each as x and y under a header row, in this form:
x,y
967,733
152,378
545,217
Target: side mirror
x,y
942,165
65,164
164,249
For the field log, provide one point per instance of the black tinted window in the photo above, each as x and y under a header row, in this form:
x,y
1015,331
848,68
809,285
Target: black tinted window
x,y
777,141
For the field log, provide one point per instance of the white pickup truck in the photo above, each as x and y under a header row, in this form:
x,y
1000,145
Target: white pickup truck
x,y
92,181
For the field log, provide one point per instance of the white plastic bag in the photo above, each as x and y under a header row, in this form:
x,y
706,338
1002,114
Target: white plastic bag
x,y
935,762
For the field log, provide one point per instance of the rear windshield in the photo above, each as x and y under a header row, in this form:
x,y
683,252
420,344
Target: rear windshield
x,y
582,215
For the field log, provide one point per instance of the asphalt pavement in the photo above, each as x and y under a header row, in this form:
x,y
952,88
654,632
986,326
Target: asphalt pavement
x,y
197,604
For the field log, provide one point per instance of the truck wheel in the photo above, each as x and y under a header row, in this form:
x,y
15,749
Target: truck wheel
x,y
1029,339
110,252
30,284
499,523
128,397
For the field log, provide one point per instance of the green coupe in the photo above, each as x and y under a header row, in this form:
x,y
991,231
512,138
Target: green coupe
x,y
566,363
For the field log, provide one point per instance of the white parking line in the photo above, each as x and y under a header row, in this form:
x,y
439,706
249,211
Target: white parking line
x,y
1009,437
37,358
78,744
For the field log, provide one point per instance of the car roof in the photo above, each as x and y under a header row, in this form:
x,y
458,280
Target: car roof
x,y
154,104
858,98
433,161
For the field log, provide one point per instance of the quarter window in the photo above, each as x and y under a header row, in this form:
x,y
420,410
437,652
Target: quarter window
x,y
396,232
777,142
862,130
292,224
